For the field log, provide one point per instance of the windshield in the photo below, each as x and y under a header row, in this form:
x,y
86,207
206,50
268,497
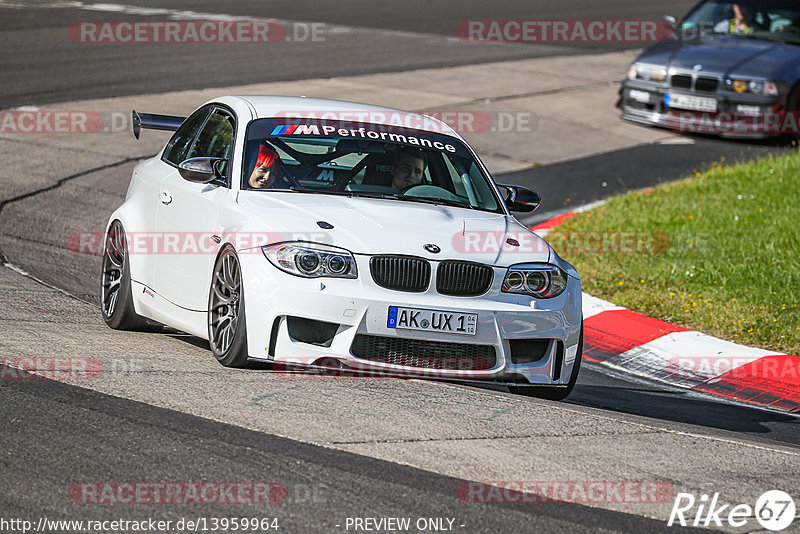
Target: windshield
x,y
369,160
773,20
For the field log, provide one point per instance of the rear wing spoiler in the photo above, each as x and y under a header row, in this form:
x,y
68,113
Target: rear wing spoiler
x,y
154,122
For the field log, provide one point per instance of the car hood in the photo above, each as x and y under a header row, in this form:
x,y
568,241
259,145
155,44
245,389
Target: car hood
x,y
724,56
378,226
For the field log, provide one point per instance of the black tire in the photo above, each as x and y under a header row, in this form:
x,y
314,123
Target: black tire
x,y
227,326
116,299
554,393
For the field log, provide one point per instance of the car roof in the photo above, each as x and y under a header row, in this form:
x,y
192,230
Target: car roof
x,y
263,106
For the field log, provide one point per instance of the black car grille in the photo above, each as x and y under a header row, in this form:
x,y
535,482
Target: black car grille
x,y
463,279
424,354
702,84
682,82
401,273
706,85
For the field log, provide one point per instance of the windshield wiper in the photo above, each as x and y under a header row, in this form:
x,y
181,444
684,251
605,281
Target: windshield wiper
x,y
320,191
366,194
426,200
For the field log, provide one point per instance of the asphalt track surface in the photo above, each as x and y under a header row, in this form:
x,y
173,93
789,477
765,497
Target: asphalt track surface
x,y
41,65
55,433
183,447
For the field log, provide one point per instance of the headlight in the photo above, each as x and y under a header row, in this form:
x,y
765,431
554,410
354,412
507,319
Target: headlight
x,y
757,87
647,73
540,280
311,260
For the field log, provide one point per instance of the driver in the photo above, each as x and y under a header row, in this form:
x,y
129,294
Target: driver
x,y
266,170
742,23
408,168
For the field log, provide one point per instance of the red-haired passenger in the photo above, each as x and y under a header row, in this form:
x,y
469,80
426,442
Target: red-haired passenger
x,y
266,169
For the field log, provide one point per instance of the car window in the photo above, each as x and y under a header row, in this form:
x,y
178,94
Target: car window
x,y
772,20
215,139
393,163
179,145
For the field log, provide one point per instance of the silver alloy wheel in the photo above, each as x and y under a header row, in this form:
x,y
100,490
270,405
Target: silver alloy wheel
x,y
225,292
113,267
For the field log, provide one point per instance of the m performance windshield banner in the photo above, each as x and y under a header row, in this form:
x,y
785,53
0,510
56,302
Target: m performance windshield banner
x,y
351,126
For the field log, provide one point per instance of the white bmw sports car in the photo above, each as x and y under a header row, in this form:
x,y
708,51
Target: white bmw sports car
x,y
312,232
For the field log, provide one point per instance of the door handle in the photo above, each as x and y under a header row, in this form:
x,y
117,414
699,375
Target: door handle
x,y
166,198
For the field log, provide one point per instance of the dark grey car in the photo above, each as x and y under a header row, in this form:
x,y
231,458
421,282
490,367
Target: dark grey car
x,y
732,69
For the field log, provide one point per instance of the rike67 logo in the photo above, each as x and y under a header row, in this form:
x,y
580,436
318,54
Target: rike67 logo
x,y
774,510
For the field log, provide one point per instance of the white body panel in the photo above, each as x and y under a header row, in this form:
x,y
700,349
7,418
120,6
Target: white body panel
x,y
188,213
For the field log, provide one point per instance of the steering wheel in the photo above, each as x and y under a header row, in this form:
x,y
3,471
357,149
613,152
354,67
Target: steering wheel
x,y
421,189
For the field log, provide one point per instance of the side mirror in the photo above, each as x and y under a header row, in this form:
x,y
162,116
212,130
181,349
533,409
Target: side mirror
x,y
521,198
201,170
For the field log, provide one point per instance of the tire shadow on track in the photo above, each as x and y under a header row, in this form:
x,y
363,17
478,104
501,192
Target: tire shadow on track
x,y
667,403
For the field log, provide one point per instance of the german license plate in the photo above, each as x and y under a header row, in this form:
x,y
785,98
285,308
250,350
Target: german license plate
x,y
694,103
432,321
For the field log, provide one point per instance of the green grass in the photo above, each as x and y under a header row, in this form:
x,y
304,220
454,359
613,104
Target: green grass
x,y
718,252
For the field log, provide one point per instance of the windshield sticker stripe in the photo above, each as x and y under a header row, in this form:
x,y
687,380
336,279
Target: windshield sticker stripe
x,y
328,130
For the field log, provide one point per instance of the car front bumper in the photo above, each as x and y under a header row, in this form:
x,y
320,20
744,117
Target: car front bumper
x,y
518,339
744,116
